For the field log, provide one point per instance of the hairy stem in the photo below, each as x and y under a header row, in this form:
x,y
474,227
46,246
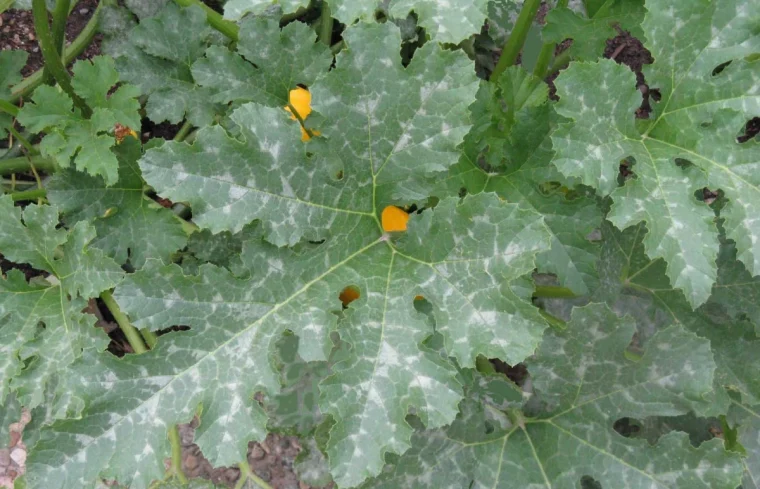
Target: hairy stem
x,y
514,44
325,24
35,194
73,50
20,164
547,51
560,61
50,54
133,336
214,18
176,454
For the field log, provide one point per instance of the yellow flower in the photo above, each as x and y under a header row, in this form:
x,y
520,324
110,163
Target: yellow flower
x,y
394,219
300,99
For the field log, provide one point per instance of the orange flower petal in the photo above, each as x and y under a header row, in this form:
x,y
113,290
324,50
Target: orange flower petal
x,y
394,219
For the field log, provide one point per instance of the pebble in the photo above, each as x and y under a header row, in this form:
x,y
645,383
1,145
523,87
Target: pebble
x,y
18,455
257,453
83,11
191,462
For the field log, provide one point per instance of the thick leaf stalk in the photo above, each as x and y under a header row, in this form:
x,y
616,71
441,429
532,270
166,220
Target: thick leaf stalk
x,y
514,44
52,58
70,53
547,51
215,20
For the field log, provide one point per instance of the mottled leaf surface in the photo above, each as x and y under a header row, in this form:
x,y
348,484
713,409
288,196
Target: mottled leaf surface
x,y
158,60
450,21
129,225
688,142
42,327
257,71
587,383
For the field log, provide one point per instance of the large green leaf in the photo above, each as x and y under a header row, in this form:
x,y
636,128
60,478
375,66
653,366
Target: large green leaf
x,y
157,58
586,383
73,139
264,76
354,172
390,138
688,143
129,225
450,21
42,327
638,286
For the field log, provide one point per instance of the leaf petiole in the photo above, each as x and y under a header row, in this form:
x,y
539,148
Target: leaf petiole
x,y
514,44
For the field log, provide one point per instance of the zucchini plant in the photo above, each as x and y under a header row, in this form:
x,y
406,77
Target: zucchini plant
x,y
445,243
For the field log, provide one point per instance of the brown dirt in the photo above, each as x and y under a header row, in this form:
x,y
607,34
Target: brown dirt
x,y
626,49
271,460
17,33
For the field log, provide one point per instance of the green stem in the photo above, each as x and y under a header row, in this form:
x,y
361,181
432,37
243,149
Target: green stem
x,y
60,14
35,194
553,292
300,120
517,38
150,337
183,131
554,321
133,336
176,454
560,61
245,469
21,164
547,51
53,61
8,107
24,142
214,18
73,50
326,24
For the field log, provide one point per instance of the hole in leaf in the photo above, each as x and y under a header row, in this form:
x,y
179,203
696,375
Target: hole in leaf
x,y
720,68
627,427
625,171
708,196
588,482
339,175
654,94
488,428
394,219
462,193
517,374
682,163
349,295
751,130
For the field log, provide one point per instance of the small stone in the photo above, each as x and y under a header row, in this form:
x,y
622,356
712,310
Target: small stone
x,y
265,475
5,457
83,11
257,453
232,475
18,455
30,36
191,462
